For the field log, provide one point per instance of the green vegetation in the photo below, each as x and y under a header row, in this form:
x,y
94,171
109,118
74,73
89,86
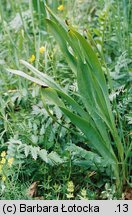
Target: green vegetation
x,y
65,99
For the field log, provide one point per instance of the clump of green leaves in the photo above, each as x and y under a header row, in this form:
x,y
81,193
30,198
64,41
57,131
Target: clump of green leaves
x,y
94,116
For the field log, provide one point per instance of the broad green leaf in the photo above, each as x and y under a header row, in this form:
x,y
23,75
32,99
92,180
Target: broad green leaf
x,y
60,36
96,70
75,106
92,135
90,101
32,79
42,76
91,57
51,95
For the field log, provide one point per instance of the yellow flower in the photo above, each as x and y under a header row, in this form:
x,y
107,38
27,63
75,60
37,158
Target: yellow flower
x,y
70,195
10,161
3,161
70,186
3,154
61,8
32,59
42,49
3,178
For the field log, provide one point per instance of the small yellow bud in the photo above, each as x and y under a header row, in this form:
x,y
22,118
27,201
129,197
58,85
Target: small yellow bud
x,y
61,8
32,59
42,49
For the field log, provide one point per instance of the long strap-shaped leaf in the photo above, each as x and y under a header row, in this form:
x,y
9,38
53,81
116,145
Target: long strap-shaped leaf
x,y
60,36
52,84
42,76
28,77
92,135
92,60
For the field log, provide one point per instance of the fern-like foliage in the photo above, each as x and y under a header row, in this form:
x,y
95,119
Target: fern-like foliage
x,y
21,151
